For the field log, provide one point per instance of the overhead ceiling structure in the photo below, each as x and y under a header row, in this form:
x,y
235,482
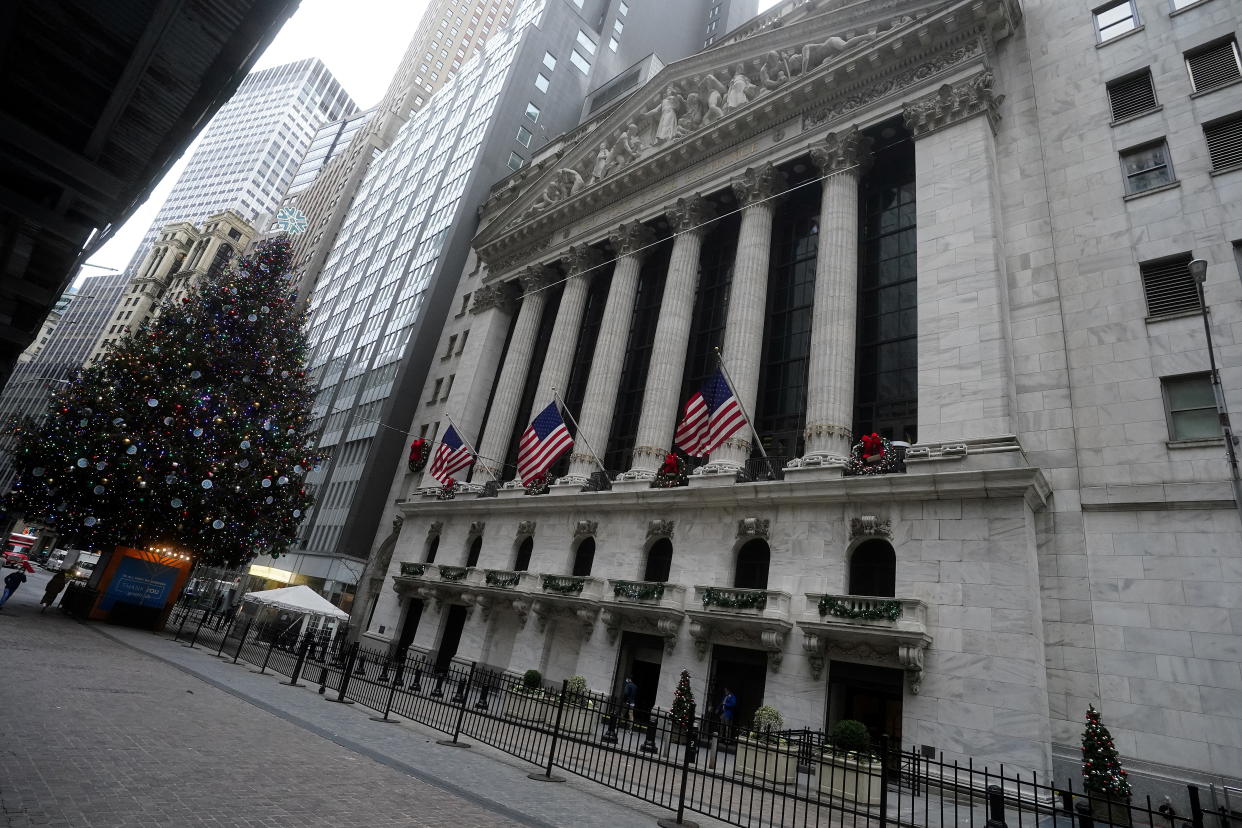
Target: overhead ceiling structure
x,y
99,101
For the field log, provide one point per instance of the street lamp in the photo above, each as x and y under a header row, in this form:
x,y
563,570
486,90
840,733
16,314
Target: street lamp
x,y
1198,270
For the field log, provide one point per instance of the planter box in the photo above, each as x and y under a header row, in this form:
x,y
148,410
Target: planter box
x,y
772,763
533,709
1108,810
576,720
848,778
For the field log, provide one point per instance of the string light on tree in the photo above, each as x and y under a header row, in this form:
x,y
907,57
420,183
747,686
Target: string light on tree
x,y
682,711
1101,766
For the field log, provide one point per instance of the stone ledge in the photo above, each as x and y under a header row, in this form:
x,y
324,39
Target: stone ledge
x,y
1204,495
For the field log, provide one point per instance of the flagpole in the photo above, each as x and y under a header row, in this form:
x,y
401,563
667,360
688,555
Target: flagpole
x,y
740,404
472,451
578,432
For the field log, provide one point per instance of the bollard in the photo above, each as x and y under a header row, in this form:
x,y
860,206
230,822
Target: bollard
x,y
649,742
416,685
686,759
345,676
996,807
556,732
1196,810
1083,808
299,664
438,691
362,664
481,704
242,642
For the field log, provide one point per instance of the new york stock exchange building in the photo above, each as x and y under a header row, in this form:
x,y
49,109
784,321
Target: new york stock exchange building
x,y
909,219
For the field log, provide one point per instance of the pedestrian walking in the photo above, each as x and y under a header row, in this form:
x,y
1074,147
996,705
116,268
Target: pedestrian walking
x,y
728,705
11,583
629,694
53,589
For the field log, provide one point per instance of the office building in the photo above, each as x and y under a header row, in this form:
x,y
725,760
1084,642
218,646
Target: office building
x,y
973,228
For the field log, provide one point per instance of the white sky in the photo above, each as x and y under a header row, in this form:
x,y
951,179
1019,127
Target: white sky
x,y
361,42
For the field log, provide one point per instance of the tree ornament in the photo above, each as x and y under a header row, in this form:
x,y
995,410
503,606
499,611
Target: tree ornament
x,y
681,713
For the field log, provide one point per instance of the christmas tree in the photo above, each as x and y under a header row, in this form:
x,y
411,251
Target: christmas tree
x,y
682,712
191,432
1101,768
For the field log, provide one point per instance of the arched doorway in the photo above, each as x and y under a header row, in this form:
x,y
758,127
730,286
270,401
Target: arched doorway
x,y
873,569
584,557
476,547
751,569
659,561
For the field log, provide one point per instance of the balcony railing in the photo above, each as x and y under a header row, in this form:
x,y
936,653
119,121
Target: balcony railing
x,y
599,481
502,578
572,586
453,574
647,593
414,570
868,611
765,602
760,469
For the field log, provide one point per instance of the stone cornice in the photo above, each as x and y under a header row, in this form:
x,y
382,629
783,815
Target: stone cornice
x,y
493,296
689,213
913,54
954,102
841,150
1027,483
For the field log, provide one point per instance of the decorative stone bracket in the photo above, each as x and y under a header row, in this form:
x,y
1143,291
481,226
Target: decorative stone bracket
x,y
525,528
584,614
703,633
476,528
585,528
666,626
908,656
954,102
753,528
434,528
660,529
871,526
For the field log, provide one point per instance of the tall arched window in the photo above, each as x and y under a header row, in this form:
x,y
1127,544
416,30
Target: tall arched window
x,y
873,569
472,557
433,546
752,565
584,557
659,561
522,562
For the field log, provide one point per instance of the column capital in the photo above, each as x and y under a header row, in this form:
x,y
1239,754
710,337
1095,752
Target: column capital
x,y
841,150
689,213
537,277
581,258
631,238
498,295
954,102
757,183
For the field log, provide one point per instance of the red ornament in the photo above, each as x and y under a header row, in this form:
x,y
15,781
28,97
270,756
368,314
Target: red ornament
x,y
872,446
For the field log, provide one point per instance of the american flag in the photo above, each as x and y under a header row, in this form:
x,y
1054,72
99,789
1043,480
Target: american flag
x,y
712,416
544,440
451,457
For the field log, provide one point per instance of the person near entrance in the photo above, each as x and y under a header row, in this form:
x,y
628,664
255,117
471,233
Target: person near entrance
x,y
728,705
629,695
53,589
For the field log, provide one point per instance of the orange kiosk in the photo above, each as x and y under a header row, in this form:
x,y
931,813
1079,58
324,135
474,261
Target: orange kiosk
x,y
138,587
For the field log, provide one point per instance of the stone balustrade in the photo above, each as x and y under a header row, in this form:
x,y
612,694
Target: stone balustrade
x,y
766,603
647,593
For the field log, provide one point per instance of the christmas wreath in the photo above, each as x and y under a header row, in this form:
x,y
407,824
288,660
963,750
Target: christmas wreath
x,y
672,473
872,454
448,491
420,449
536,485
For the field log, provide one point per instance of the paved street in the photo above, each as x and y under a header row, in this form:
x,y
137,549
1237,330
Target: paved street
x,y
111,727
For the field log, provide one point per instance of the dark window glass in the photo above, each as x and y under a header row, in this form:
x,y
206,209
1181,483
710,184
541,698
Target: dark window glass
x,y
780,414
433,546
711,304
873,569
522,562
525,407
659,561
476,546
584,558
752,566
637,357
886,371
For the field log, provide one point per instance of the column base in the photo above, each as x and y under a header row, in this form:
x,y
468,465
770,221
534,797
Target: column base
x,y
571,480
804,474
560,487
714,475
631,484
818,458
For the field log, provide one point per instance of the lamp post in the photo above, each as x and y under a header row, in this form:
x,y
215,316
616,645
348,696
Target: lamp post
x,y
1198,270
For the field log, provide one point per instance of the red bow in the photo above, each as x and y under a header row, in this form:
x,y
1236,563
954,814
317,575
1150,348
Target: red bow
x,y
671,464
872,445
450,483
416,447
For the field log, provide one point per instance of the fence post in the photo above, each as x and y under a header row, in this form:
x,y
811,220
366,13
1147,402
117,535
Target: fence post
x,y
224,638
547,776
1196,810
245,634
266,657
185,613
194,638
1083,808
485,686
392,689
299,664
884,757
463,693
649,743
692,734
996,807
345,675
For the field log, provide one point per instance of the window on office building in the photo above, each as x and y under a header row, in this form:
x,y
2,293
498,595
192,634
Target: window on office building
x,y
515,161
541,83
1214,65
523,136
532,112
1146,167
1115,19
1190,407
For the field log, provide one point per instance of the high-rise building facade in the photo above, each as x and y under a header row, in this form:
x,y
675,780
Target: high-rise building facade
x,y
450,32
391,276
990,234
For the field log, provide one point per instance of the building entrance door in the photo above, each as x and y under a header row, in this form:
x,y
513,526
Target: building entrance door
x,y
640,657
871,695
409,625
450,637
743,671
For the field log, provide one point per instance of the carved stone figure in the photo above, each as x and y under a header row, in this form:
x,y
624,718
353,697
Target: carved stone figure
x,y
771,75
666,113
693,118
564,184
740,89
625,149
814,54
600,169
714,91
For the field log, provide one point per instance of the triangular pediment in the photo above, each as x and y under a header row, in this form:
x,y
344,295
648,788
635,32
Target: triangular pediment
x,y
690,104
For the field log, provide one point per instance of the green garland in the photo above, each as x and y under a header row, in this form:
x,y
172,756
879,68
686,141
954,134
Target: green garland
x,y
728,599
495,579
884,611
453,573
413,570
638,591
559,584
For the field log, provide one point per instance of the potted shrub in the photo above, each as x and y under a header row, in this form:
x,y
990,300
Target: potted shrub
x,y
527,701
765,755
847,768
1102,775
579,715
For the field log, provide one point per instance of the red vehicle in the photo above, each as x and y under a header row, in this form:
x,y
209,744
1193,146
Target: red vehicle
x,y
18,549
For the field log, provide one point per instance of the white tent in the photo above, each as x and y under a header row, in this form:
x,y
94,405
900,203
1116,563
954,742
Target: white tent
x,y
300,599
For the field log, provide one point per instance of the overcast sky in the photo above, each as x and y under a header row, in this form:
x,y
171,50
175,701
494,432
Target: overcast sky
x,y
362,46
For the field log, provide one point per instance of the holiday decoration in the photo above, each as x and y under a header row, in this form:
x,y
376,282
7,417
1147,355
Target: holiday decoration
x,y
734,598
453,574
537,485
413,570
502,580
681,714
193,431
448,491
420,450
1101,768
872,454
881,611
638,590
672,473
562,585
290,220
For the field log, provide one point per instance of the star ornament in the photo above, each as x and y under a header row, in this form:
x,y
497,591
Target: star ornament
x,y
290,220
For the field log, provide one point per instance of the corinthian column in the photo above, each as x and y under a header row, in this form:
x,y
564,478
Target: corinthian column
x,y
557,362
748,297
830,383
629,243
495,443
668,352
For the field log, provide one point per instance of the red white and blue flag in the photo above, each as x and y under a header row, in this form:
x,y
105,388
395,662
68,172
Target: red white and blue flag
x,y
451,457
544,440
712,416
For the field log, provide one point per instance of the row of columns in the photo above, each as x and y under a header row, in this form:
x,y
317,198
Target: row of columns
x,y
831,380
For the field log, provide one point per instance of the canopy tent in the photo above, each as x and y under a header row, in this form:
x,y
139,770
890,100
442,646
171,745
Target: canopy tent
x,y
300,599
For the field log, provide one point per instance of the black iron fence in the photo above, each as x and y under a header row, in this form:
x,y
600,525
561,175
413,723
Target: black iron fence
x,y
692,764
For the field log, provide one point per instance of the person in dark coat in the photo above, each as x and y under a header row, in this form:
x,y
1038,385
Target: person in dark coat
x,y
53,589
629,694
11,583
728,705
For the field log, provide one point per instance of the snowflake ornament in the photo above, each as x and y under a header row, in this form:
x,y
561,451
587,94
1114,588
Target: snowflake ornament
x,y
290,220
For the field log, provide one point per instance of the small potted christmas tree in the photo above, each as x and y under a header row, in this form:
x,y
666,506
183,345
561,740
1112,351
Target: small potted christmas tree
x,y
764,754
1102,775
